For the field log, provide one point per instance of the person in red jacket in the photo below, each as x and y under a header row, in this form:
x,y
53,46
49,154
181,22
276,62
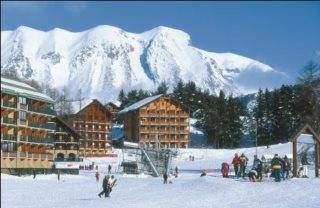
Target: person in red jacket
x,y
97,176
236,163
225,169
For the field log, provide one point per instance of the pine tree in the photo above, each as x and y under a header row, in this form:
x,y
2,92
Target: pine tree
x,y
162,88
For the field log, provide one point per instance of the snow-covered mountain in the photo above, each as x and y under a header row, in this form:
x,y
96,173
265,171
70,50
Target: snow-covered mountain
x,y
103,60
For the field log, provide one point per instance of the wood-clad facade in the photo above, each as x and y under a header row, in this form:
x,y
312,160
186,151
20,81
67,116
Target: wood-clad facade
x,y
66,142
26,126
93,124
157,120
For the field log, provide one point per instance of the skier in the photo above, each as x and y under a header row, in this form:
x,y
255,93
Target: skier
x,y
58,175
276,167
109,169
34,173
287,166
104,186
165,178
225,169
111,183
304,162
170,179
97,176
253,175
243,164
257,166
203,173
236,163
176,172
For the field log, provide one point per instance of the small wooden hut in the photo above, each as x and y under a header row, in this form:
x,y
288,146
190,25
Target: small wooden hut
x,y
306,129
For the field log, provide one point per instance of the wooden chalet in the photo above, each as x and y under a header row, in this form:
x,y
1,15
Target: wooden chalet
x,y
93,124
26,126
157,120
66,142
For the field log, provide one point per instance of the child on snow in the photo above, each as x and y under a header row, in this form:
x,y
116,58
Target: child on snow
x,y
225,169
253,175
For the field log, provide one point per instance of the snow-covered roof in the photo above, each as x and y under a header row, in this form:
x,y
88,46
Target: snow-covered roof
x,y
140,104
305,138
15,87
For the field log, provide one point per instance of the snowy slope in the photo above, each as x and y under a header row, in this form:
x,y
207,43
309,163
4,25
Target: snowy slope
x,y
188,191
105,59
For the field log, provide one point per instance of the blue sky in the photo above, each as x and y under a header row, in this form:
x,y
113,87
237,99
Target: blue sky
x,y
284,35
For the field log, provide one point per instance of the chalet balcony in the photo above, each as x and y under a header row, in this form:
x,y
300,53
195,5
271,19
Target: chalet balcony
x,y
43,156
9,120
8,137
60,141
68,159
8,154
23,138
40,140
46,111
8,104
51,126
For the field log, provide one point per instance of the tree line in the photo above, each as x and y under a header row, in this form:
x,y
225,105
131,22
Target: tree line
x,y
224,119
219,117
276,115
281,112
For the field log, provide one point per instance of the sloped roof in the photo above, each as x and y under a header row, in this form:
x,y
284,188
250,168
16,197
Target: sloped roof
x,y
66,125
112,105
15,87
93,101
306,129
139,104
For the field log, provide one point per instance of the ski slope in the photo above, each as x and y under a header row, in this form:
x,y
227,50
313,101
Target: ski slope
x,y
188,190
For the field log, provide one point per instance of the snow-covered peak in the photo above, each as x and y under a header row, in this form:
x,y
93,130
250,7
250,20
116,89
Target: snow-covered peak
x,y
105,59
162,32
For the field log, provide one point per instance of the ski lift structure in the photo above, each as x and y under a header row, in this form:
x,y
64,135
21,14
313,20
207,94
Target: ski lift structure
x,y
304,140
139,158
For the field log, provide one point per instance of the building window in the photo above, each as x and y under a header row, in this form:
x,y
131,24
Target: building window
x,y
23,100
22,115
8,147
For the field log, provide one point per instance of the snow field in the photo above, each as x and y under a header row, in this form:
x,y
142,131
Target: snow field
x,y
189,190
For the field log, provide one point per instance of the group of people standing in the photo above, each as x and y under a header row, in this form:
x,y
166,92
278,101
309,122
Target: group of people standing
x,y
167,176
280,167
240,165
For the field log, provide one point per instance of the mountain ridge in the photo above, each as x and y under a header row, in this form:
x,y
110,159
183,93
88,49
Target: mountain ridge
x,y
105,59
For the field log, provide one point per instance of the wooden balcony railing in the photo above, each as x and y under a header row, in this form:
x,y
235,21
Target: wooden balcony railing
x,y
9,120
51,126
6,103
26,155
47,111
9,137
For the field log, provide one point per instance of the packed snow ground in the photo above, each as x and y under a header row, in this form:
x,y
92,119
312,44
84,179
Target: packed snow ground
x,y
188,190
